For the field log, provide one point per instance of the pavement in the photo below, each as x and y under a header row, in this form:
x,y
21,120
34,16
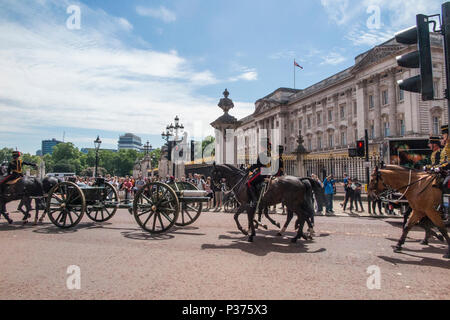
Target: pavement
x,y
349,258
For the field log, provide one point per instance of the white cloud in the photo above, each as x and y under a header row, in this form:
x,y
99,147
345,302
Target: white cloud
x,y
90,79
286,54
395,15
161,13
125,24
247,74
333,58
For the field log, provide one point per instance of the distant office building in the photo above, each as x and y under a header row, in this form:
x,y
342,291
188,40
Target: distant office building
x,y
47,146
39,153
130,141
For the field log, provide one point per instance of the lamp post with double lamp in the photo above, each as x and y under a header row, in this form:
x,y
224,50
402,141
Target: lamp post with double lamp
x,y
147,148
173,135
97,144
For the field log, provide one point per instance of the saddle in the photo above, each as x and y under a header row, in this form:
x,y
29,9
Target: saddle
x,y
13,181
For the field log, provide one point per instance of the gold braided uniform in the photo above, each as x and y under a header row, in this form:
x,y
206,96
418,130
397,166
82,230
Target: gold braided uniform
x,y
445,153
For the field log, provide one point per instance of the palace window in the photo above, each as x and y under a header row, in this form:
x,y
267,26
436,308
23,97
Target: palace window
x,y
330,140
355,108
401,95
319,118
309,145
330,115
371,102
356,134
292,126
436,88
372,131
342,112
385,96
308,119
402,127
343,138
319,143
436,125
386,128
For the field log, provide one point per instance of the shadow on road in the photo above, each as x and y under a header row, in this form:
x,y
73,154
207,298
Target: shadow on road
x,y
52,229
430,262
138,234
264,245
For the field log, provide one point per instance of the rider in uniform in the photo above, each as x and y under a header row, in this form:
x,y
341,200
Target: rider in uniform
x,y
435,146
15,169
445,153
256,176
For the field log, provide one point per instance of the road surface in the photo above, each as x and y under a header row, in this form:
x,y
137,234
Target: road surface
x,y
211,260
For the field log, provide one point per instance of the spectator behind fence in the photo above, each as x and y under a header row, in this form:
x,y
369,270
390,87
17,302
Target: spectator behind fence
x,y
329,185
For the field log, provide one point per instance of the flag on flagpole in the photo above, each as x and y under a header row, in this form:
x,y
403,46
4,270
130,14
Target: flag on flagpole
x,y
297,65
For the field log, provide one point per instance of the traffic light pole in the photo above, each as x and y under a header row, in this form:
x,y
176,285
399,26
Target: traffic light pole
x,y
446,34
366,138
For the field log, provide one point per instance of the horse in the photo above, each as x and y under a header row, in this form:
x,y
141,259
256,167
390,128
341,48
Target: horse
x,y
24,189
236,180
418,188
296,194
47,184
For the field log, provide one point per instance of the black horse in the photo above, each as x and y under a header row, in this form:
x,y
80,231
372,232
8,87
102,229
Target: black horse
x,y
26,189
297,194
236,180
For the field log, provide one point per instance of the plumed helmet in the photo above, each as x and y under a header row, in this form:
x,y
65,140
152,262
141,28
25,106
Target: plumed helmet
x,y
16,154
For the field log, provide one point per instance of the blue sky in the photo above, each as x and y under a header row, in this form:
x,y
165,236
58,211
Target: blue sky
x,y
134,65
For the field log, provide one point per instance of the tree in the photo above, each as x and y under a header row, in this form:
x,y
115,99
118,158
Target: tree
x,y
6,154
208,146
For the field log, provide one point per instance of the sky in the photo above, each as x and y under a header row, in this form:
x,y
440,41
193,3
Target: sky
x,y
79,69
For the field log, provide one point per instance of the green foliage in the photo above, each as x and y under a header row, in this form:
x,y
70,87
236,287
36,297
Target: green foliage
x,y
67,158
208,146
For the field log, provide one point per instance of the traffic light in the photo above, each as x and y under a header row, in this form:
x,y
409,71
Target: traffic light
x,y
360,148
419,34
169,151
192,150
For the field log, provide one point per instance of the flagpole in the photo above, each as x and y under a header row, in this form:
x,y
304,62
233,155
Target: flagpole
x,y
294,74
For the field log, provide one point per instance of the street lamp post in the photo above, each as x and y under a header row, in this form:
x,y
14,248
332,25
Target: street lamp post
x,y
174,131
147,148
97,144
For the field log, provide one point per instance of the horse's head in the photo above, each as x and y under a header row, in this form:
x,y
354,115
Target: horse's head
x,y
376,185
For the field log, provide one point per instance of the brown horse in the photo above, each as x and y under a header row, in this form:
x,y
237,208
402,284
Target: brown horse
x,y
418,188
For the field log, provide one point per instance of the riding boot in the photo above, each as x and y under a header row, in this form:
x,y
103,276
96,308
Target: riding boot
x,y
253,197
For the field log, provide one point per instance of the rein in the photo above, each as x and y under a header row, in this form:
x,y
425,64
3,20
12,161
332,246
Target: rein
x,y
391,190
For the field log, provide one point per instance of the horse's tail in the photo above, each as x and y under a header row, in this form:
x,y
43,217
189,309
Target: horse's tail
x,y
319,191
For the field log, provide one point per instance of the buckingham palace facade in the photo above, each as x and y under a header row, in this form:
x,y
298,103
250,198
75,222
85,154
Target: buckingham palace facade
x,y
334,113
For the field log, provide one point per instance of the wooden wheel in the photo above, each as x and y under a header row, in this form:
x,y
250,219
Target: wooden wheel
x,y
66,205
156,207
105,207
189,212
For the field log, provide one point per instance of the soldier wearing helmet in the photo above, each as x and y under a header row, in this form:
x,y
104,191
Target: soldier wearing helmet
x,y
15,169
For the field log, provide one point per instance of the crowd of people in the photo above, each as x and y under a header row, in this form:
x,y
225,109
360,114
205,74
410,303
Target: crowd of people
x,y
128,186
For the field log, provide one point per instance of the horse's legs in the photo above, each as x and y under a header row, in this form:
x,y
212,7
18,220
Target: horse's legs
x,y
301,223
413,220
26,215
4,213
435,217
266,214
251,226
290,215
236,218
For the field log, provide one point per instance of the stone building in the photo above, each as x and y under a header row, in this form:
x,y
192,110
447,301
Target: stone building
x,y
334,113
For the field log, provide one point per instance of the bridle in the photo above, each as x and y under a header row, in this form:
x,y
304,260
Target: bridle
x,y
389,190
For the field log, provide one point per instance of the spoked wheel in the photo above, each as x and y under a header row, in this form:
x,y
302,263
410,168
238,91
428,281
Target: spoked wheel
x,y
156,207
189,212
104,208
66,205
